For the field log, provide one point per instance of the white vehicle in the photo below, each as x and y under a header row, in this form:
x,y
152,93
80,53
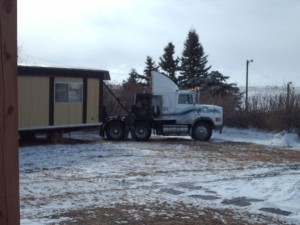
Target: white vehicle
x,y
169,112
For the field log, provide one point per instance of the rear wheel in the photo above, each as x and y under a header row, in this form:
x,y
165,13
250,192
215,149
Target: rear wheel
x,y
115,131
202,131
142,132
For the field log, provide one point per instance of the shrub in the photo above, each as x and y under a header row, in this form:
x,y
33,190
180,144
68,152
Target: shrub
x,y
268,112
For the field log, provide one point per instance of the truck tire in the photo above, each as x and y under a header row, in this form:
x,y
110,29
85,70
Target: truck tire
x,y
202,131
115,131
142,131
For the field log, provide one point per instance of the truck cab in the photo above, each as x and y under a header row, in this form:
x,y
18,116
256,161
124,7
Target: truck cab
x,y
182,108
168,111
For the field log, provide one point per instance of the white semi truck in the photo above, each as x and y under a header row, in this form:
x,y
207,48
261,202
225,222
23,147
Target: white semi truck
x,y
167,111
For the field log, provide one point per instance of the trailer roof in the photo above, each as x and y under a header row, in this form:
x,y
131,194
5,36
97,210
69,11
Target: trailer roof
x,y
65,72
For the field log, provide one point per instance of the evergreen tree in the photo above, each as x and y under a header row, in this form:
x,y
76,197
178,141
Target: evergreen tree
x,y
133,77
130,87
215,84
168,63
193,62
150,66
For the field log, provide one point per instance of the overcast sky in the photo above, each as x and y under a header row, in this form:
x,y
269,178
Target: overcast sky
x,y
117,35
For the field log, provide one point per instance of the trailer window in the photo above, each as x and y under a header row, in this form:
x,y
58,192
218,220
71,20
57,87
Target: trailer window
x,y
68,92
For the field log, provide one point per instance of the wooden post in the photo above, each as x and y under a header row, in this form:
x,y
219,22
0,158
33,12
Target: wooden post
x,y
9,166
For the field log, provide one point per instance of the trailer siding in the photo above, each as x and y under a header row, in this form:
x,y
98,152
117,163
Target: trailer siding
x,y
93,100
33,96
59,98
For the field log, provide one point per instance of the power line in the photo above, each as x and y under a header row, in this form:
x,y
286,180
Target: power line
x,y
53,62
235,67
265,76
45,60
232,69
61,64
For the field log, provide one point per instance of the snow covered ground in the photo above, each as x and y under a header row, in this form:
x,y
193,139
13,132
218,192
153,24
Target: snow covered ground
x,y
261,178
282,139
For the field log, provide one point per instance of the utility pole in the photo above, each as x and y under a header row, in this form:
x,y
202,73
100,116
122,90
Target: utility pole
x,y
288,95
289,107
9,157
247,67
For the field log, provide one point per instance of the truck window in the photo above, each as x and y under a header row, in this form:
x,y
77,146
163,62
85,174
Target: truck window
x,y
185,99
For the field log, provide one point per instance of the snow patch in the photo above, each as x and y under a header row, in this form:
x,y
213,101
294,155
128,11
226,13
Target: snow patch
x,y
282,139
58,178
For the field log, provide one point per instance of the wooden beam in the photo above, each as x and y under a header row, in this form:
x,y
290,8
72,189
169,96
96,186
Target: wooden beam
x,y
9,166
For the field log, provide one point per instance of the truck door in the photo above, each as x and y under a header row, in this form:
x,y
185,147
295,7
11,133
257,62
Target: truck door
x,y
184,108
185,102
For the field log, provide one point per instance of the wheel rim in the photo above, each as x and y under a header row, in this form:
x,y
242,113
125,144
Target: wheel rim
x,y
141,132
115,132
201,132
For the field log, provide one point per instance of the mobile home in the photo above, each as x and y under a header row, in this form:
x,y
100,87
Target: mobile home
x,y
59,99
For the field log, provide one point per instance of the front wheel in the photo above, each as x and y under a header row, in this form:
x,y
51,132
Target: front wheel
x,y
115,131
142,132
202,131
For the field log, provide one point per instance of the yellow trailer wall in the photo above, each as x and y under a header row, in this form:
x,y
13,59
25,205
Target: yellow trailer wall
x,y
33,101
39,110
93,100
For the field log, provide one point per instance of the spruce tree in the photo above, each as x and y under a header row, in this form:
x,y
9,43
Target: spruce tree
x,y
150,66
133,77
168,63
193,62
131,87
215,84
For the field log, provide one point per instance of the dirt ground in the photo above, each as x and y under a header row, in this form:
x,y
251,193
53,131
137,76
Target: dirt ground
x,y
163,213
